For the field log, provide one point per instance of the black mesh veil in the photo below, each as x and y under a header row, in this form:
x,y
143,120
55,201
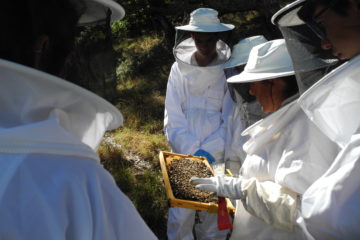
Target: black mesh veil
x,y
309,60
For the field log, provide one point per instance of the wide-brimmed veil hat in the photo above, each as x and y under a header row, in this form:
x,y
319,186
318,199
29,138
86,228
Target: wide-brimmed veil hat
x,y
266,61
241,50
205,20
96,11
288,15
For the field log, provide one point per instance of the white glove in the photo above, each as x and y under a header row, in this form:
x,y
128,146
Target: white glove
x,y
223,186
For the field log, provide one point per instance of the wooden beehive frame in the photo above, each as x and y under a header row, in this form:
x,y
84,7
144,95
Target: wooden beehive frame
x,y
165,159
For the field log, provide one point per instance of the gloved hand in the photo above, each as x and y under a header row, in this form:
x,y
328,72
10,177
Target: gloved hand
x,y
203,153
223,186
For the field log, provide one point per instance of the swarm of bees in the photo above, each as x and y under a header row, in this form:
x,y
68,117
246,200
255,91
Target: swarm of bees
x,y
180,171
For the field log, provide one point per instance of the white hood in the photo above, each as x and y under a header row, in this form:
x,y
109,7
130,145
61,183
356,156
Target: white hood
x,y
41,113
333,103
267,129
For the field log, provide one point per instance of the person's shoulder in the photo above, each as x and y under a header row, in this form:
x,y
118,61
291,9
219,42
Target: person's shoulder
x,y
174,66
175,70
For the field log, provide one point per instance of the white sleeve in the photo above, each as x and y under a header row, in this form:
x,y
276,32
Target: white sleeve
x,y
175,124
330,206
271,202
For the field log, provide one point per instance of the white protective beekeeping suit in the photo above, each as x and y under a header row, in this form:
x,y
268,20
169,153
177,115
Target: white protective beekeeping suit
x,y
331,205
283,149
52,183
286,154
197,104
197,108
282,160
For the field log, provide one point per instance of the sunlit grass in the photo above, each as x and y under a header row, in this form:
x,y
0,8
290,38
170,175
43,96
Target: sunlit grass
x,y
144,144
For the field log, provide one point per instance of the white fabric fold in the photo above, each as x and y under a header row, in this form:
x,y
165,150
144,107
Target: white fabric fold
x,y
330,206
274,204
332,102
284,150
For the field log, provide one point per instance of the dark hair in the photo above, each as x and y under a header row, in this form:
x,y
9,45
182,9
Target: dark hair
x,y
23,21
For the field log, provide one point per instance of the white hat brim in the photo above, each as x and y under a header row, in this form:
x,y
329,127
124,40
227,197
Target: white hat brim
x,y
60,85
219,28
287,16
246,77
94,15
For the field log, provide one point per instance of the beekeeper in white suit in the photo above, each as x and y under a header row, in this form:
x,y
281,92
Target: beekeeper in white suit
x,y
330,206
283,156
197,108
52,183
247,109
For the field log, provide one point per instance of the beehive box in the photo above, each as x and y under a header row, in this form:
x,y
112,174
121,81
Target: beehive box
x,y
165,160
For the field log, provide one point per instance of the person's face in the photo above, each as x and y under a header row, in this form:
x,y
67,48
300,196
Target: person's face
x,y
205,43
342,32
269,93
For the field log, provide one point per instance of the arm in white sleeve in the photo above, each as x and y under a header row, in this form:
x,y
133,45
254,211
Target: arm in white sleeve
x,y
271,202
175,123
215,143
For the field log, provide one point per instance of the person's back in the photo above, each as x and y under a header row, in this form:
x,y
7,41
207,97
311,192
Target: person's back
x,y
53,185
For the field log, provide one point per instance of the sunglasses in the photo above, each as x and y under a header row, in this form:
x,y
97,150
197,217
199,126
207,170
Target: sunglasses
x,y
306,15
